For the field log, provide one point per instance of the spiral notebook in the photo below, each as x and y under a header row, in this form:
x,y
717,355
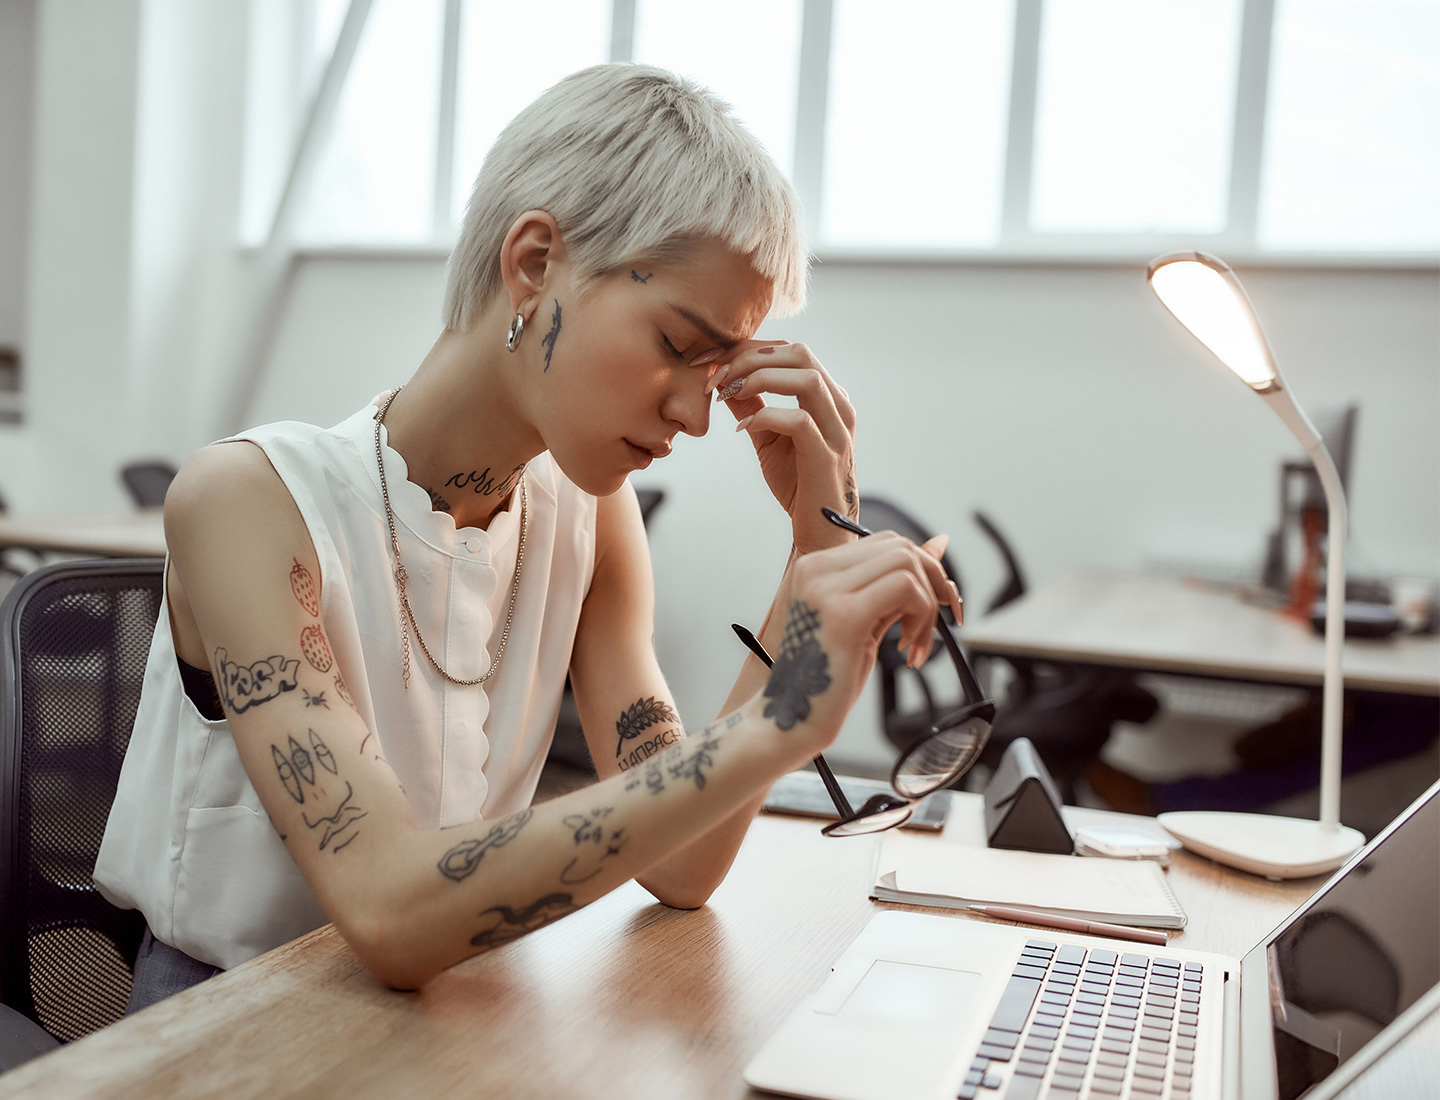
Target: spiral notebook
x,y
931,871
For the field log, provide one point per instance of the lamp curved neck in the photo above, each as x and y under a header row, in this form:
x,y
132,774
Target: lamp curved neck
x,y
1333,695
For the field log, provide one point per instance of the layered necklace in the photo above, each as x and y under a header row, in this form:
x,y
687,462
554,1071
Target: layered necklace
x,y
402,578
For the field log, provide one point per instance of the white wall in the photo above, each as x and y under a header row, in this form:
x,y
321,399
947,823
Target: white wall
x,y
17,52
1060,399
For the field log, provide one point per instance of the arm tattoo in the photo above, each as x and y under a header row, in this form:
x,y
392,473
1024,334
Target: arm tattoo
x,y
340,824
599,841
303,585
506,924
640,717
686,761
316,649
802,670
548,341
251,685
296,766
460,861
315,700
650,748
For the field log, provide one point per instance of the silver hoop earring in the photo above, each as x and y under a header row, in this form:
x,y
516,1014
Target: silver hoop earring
x,y
517,329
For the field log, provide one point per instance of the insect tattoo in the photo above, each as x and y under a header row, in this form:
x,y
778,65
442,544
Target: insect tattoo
x,y
247,686
548,341
315,700
802,670
460,861
643,714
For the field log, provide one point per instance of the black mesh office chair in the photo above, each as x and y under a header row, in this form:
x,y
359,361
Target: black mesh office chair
x,y
147,482
1067,711
72,658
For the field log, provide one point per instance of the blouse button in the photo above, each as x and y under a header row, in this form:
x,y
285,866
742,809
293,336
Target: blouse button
x,y
473,545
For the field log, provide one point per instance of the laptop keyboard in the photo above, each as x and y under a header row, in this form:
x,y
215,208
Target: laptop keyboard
x,y
1105,1025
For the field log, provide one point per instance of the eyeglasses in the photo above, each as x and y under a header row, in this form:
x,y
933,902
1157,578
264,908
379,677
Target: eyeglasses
x,y
935,759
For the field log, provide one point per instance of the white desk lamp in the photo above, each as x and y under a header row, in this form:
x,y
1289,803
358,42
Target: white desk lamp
x,y
1206,297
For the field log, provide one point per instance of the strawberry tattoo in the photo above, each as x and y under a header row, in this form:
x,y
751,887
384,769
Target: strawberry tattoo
x,y
316,649
303,585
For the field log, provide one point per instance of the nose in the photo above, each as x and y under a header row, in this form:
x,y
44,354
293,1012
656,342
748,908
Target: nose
x,y
687,405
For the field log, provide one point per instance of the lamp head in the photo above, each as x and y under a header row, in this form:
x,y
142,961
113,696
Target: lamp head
x,y
1205,296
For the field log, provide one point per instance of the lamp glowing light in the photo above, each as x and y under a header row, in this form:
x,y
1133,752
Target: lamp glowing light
x,y
1204,295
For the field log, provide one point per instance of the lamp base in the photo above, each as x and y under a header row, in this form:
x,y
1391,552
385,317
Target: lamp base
x,y
1276,847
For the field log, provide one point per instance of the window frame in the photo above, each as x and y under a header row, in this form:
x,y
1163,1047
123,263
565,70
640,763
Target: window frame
x,y
1017,242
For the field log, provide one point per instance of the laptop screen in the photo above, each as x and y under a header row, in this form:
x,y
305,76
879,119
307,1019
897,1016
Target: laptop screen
x,y
1362,952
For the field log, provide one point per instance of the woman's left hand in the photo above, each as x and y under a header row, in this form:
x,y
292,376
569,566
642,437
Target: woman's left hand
x,y
807,453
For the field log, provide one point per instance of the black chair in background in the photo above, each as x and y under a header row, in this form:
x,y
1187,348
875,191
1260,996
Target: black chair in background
x,y
72,659
1067,711
147,482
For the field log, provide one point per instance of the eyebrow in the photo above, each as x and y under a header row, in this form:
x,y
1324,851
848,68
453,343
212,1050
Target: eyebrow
x,y
713,334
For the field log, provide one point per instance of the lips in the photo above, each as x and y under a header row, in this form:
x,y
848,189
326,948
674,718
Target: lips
x,y
648,452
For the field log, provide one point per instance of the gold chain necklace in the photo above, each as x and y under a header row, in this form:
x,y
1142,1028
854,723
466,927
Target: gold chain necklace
x,y
402,578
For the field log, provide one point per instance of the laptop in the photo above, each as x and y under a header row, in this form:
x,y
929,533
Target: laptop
x,y
925,1006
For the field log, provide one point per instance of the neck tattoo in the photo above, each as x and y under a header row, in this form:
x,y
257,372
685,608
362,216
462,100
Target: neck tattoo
x,y
407,621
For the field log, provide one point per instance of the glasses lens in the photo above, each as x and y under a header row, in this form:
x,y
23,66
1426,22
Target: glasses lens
x,y
941,758
880,812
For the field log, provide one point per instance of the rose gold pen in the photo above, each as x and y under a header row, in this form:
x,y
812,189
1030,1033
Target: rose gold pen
x,y
1070,924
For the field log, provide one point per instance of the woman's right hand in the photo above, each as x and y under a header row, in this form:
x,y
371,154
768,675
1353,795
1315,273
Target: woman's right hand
x,y
842,600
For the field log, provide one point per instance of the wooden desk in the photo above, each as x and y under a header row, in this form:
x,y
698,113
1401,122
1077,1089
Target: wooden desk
x,y
139,534
1166,624
624,999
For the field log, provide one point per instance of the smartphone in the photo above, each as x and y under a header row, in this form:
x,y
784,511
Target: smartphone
x,y
803,793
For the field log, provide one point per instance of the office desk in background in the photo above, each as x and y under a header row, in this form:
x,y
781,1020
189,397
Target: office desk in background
x,y
624,999
1166,624
137,534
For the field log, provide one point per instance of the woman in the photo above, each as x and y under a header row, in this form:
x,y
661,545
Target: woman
x,y
388,608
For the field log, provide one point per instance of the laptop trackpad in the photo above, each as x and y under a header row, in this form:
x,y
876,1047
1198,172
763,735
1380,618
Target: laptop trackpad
x,y
911,993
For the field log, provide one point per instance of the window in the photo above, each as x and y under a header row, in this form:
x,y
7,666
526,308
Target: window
x,y
993,127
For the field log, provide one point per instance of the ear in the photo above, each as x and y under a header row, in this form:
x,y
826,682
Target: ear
x,y
531,260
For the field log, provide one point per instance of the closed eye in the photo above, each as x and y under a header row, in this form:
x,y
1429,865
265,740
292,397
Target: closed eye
x,y
671,348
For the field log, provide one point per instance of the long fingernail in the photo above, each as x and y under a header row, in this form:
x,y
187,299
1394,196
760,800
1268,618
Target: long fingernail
x,y
707,357
731,390
717,378
740,427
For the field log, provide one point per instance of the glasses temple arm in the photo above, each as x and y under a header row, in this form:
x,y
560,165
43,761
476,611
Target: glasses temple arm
x,y
968,684
837,796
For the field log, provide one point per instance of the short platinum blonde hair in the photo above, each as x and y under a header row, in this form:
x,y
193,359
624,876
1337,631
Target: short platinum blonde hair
x,y
633,163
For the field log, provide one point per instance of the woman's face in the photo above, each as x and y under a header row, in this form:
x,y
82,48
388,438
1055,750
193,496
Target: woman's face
x,y
618,374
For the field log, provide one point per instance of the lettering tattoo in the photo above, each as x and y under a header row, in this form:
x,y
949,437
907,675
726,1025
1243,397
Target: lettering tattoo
x,y
548,341
483,482
637,277
247,686
599,841
303,585
650,748
681,762
643,714
505,924
459,862
437,502
802,670
316,649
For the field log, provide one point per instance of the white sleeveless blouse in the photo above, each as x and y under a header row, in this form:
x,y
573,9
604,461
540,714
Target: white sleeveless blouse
x,y
188,842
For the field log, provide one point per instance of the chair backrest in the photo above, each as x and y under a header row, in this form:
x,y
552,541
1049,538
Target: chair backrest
x,y
76,636
148,481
